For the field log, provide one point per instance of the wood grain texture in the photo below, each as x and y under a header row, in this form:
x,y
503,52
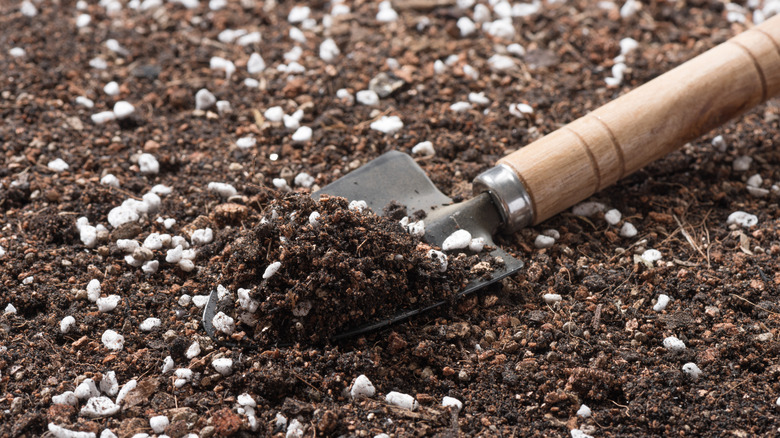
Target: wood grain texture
x,y
594,151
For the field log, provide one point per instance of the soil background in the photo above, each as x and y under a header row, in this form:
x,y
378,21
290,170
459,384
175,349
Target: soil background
x,y
521,367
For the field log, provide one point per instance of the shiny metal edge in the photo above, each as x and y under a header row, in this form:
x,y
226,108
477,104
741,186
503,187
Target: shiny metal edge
x,y
509,194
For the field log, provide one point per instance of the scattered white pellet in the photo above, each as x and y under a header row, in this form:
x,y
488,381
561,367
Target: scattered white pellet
x,y
293,55
228,36
478,98
2,251
93,290
113,340
127,245
174,255
97,407
477,244
367,97
150,267
613,217
755,181
358,205
98,63
83,20
314,219
627,45
329,51
692,370
719,143
198,300
220,63
617,75
223,365
149,324
303,179
9,309
159,423
501,63
516,49
424,148
167,364
246,400
109,385
114,46
61,432
66,398
651,256
224,323
502,9
742,219
249,39
67,324
58,165
246,142
452,402
223,189
501,28
108,303
202,236
148,164
742,164
295,429
388,124
111,88
302,134
123,109
298,14
466,26
122,215
193,350
386,12
255,64
28,9
661,303
204,99
103,117
457,240
584,411
588,209
17,52
86,389
126,388
543,241
85,101
28,280
460,107
362,387
628,230
438,257
272,269
672,343
470,72
552,298
439,67
169,223
109,180
416,228
401,400
576,433
629,8
344,94
520,110
281,184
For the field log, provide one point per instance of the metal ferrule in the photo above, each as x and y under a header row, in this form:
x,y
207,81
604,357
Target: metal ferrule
x,y
508,194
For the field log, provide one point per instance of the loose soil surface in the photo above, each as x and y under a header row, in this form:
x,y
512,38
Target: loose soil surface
x,y
520,366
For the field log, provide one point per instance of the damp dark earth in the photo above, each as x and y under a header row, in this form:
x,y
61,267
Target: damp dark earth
x,y
154,152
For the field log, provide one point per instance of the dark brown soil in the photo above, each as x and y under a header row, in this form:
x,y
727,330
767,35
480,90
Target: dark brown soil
x,y
349,269
520,366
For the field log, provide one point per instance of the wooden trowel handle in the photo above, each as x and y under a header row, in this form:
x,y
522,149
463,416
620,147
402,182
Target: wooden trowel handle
x,y
591,153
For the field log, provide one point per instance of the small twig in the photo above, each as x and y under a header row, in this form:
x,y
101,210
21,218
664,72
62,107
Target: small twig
x,y
754,304
688,236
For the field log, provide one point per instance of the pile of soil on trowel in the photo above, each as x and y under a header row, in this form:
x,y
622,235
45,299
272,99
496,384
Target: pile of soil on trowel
x,y
343,269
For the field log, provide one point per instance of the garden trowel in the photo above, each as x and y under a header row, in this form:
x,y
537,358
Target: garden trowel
x,y
572,163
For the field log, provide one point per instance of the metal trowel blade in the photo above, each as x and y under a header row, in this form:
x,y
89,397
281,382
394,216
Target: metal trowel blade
x,y
395,176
